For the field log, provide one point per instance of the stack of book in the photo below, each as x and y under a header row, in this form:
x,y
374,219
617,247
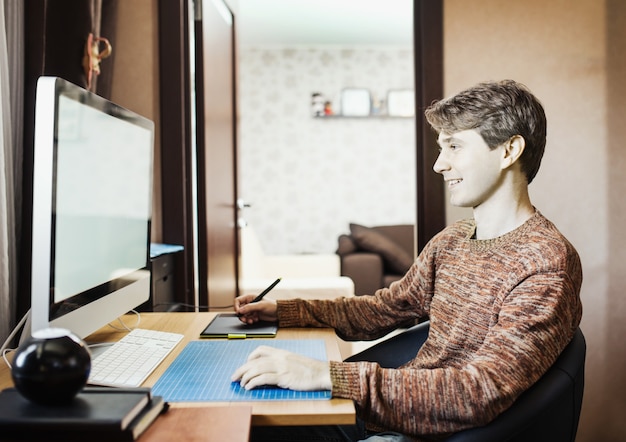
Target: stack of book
x,y
96,413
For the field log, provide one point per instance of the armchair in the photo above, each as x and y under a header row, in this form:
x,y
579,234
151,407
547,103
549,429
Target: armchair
x,y
374,257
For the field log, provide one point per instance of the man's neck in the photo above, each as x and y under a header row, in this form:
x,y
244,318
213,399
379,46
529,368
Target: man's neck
x,y
495,219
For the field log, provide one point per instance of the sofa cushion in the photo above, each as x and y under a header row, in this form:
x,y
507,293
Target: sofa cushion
x,y
346,245
368,239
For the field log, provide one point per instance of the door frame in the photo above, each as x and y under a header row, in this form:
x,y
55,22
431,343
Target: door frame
x,y
216,151
176,147
428,59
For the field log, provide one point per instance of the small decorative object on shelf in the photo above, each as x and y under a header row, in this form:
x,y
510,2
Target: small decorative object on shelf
x,y
317,104
401,103
355,102
328,108
378,106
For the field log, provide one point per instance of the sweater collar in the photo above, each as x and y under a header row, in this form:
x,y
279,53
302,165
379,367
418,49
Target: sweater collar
x,y
512,236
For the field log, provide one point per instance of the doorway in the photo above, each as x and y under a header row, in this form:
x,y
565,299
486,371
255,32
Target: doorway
x,y
307,178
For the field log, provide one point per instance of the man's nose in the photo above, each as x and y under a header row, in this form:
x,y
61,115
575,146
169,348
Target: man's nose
x,y
441,164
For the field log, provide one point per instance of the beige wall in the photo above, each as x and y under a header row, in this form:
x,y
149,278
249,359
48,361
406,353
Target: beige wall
x,y
571,54
135,82
612,346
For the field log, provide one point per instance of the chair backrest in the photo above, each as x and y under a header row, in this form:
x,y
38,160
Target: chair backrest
x,y
548,411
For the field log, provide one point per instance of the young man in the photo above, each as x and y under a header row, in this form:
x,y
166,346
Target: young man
x,y
501,290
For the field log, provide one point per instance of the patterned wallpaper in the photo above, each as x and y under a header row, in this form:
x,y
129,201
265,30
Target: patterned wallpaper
x,y
307,178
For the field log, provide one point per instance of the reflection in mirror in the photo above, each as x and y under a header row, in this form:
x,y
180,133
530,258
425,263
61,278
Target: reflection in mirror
x,y
307,178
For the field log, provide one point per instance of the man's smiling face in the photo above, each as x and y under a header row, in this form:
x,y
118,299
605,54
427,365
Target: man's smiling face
x,y
470,168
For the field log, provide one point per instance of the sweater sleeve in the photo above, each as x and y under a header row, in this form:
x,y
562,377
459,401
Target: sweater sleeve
x,y
366,317
536,321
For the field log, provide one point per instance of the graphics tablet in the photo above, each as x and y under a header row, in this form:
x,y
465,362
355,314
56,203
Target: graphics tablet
x,y
228,325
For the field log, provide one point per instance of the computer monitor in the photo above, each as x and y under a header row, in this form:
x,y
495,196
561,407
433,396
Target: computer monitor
x,y
92,203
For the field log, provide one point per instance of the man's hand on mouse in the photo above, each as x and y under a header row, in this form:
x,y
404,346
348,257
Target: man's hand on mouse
x,y
272,366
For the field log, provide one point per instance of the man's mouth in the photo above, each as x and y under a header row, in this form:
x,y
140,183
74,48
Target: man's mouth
x,y
452,183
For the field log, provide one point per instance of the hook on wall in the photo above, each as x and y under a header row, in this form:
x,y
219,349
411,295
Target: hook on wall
x,y
93,56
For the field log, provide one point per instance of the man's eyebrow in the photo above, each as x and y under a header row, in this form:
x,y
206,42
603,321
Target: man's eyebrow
x,y
448,139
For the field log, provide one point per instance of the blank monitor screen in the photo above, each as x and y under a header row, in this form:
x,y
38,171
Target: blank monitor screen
x,y
92,194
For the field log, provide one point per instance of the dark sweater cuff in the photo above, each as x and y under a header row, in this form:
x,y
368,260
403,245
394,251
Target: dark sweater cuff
x,y
345,380
288,313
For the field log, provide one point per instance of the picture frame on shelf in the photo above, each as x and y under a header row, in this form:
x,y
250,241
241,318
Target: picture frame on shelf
x,y
355,102
401,103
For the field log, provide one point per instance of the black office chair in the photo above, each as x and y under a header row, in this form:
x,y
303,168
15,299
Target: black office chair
x,y
548,411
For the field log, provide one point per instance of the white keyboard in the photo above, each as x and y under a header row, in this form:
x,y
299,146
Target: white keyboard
x,y
128,362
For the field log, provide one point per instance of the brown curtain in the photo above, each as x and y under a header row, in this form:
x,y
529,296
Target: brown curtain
x,y
11,101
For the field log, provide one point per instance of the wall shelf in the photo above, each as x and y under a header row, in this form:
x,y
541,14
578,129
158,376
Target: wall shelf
x,y
363,117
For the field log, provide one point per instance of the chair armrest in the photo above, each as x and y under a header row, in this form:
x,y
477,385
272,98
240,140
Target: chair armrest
x,y
365,269
396,350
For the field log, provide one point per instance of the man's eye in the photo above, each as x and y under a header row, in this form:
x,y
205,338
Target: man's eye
x,y
449,147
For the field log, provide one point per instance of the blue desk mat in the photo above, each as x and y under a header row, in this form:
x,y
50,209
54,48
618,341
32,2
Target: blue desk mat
x,y
202,371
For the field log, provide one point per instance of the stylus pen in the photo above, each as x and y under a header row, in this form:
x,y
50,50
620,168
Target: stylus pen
x,y
266,291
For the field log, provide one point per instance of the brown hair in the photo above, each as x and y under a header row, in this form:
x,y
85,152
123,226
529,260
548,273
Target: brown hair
x,y
498,111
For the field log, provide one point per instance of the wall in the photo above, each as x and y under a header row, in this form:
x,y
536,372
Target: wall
x,y
612,390
571,54
135,82
307,178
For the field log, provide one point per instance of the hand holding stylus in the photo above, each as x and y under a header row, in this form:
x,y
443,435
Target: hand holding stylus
x,y
251,308
266,291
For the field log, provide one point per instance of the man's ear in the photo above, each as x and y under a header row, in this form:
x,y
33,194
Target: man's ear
x,y
513,149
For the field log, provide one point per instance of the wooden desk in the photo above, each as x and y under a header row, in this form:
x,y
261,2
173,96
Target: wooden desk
x,y
334,411
201,424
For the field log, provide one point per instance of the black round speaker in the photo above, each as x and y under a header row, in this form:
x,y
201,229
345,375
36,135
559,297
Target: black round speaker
x,y
51,367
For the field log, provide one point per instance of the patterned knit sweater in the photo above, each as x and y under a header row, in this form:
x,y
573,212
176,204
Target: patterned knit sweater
x,y
501,312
